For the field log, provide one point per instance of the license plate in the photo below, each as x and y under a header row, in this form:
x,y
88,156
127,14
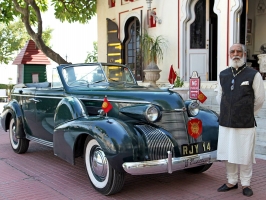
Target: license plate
x,y
195,148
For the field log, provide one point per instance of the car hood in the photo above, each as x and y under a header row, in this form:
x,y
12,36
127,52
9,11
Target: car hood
x,y
162,97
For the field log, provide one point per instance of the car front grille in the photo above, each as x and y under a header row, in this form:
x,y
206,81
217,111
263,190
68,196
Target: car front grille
x,y
157,142
175,122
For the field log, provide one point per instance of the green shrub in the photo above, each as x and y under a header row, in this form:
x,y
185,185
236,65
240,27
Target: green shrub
x,y
3,86
178,82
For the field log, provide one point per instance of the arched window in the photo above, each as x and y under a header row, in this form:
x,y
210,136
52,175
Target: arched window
x,y
198,27
132,54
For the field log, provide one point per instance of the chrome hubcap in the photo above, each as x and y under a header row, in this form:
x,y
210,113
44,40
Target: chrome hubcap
x,y
13,134
99,163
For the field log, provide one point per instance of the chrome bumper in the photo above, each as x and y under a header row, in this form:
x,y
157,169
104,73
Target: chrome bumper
x,y
170,164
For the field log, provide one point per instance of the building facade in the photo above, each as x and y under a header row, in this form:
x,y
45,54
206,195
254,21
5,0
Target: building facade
x,y
198,33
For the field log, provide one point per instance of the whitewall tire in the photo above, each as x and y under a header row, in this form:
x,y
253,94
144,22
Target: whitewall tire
x,y
101,174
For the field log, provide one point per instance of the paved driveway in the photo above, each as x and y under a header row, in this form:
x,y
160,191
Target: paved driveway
x,y
38,174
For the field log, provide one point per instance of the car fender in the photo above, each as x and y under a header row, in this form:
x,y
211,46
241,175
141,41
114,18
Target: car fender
x,y
210,124
69,108
73,126
115,141
13,109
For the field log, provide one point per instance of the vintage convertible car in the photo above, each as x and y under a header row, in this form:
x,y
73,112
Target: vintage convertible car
x,y
146,131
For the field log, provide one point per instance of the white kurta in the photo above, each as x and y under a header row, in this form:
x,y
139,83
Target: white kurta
x,y
237,145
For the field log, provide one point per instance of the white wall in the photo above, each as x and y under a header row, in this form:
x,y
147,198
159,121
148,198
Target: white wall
x,y
165,10
259,28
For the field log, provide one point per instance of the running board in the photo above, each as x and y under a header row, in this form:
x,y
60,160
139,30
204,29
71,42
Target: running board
x,y
40,141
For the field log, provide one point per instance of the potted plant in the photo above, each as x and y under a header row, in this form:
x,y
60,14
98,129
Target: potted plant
x,y
178,87
152,51
178,82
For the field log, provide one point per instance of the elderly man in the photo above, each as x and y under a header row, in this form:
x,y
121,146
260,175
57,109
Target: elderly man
x,y
241,95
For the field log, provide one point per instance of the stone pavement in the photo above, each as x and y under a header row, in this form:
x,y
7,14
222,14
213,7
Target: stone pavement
x,y
39,174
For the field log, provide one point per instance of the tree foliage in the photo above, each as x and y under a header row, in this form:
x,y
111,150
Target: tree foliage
x,y
13,37
29,11
93,56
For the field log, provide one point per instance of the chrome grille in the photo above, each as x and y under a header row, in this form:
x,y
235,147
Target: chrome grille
x,y
158,143
175,123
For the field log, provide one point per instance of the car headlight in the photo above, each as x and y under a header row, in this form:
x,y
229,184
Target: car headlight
x,y
193,109
152,113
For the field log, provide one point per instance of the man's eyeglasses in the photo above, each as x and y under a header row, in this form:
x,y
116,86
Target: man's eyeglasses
x,y
232,84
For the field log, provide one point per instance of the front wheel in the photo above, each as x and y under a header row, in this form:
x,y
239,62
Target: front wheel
x,y
18,145
199,169
101,174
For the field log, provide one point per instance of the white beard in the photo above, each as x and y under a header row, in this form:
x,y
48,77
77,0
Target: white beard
x,y
237,63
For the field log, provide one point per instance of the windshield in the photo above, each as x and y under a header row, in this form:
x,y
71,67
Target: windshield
x,y
88,75
116,73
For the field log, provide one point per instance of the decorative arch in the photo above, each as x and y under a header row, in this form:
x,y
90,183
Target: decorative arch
x,y
131,43
235,13
187,17
137,15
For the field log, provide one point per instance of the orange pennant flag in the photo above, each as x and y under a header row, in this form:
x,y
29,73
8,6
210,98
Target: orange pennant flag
x,y
106,106
201,97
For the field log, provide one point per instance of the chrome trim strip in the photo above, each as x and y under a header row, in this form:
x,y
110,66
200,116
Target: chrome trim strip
x,y
163,165
180,109
40,141
25,95
116,100
82,98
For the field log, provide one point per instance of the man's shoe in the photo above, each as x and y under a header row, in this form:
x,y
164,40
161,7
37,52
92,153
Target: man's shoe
x,y
247,191
225,188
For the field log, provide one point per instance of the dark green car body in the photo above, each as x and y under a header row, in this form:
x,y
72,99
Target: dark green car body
x,y
65,116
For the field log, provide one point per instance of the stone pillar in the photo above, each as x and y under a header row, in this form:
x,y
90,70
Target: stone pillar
x,y
262,62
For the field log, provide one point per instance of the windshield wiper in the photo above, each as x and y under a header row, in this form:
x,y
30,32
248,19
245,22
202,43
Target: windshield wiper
x,y
97,81
112,80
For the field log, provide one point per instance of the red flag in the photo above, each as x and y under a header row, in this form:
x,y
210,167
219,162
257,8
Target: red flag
x,y
201,97
172,75
106,106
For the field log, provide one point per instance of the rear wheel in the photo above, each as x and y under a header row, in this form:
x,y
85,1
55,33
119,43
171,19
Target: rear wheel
x,y
199,169
18,145
101,174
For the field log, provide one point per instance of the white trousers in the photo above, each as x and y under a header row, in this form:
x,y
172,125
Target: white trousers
x,y
245,173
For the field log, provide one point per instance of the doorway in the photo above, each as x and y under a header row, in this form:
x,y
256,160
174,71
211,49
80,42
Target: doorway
x,y
201,46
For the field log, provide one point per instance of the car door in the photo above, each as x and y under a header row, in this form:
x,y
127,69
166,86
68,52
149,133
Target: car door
x,y
28,106
46,101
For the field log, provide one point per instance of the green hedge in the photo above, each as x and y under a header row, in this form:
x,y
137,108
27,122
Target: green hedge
x,y
5,86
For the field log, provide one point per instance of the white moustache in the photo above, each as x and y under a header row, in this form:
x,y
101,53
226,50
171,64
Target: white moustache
x,y
236,57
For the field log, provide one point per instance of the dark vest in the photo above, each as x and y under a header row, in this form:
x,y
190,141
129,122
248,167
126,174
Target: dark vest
x,y
237,106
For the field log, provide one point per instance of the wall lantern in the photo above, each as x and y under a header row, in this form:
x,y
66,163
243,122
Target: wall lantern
x,y
152,12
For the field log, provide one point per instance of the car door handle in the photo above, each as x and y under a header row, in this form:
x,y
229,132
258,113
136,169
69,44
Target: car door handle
x,y
35,100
